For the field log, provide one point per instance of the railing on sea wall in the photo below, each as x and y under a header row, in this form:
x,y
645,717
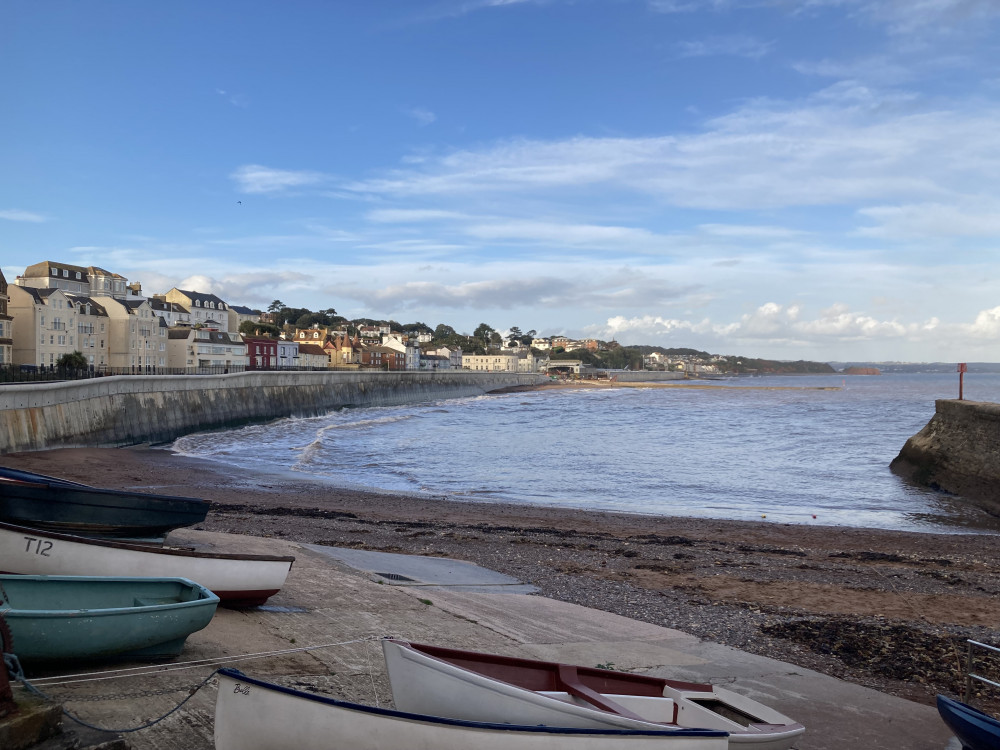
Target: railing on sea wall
x,y
51,373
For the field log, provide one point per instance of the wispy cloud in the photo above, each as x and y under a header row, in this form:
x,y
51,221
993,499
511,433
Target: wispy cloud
x,y
966,217
237,100
729,46
421,115
750,232
254,178
899,17
16,214
410,216
845,145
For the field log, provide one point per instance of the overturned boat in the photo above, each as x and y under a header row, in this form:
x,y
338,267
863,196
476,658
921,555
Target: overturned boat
x,y
45,502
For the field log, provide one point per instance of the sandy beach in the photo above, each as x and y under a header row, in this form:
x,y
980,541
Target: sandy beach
x,y
888,610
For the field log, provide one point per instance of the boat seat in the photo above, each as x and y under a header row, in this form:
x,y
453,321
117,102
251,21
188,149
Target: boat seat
x,y
653,708
568,679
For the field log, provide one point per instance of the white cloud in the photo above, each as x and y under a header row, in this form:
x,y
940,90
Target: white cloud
x,y
16,214
254,178
987,324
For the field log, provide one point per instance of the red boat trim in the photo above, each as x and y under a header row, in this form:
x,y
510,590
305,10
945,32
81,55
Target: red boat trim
x,y
543,675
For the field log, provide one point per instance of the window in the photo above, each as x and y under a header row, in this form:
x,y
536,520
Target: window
x,y
55,271
65,273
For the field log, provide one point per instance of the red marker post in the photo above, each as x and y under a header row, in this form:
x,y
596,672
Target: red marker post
x,y
962,369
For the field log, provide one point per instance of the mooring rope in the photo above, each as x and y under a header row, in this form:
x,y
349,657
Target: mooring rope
x,y
113,674
16,672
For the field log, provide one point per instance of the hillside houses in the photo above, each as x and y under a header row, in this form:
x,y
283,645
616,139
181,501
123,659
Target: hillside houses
x,y
54,311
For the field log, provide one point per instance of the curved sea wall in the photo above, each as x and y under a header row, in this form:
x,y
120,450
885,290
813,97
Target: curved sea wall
x,y
957,451
128,410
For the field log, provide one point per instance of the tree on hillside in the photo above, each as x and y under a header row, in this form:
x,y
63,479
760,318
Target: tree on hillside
x,y
275,306
443,331
249,328
484,333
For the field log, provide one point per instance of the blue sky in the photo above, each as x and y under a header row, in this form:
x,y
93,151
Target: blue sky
x,y
813,179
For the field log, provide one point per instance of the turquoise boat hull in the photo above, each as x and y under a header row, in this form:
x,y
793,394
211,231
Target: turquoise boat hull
x,y
90,618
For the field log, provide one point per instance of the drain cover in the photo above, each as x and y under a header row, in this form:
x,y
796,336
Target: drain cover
x,y
396,577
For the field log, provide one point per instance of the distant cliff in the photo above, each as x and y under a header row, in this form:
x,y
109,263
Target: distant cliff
x,y
957,451
862,371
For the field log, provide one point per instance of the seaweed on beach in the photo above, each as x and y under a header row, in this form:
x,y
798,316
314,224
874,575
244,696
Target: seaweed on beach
x,y
890,650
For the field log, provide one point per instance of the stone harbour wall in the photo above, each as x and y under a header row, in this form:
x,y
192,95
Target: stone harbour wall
x,y
129,410
957,451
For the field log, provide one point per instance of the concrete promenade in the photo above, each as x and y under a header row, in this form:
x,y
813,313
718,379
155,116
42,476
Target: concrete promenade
x,y
337,603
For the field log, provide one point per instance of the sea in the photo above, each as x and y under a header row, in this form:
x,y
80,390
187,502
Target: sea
x,y
781,449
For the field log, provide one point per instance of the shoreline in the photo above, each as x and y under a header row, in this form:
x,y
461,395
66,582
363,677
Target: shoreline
x,y
886,609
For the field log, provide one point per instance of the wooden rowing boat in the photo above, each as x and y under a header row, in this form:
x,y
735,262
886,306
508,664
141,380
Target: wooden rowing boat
x,y
485,687
974,729
45,502
252,714
238,580
55,618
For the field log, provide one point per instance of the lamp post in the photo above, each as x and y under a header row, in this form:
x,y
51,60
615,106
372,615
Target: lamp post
x,y
962,369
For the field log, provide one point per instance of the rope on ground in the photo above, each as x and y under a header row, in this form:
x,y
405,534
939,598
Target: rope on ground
x,y
114,674
16,672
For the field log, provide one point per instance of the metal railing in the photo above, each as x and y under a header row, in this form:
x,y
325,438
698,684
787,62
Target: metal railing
x,y
52,373
970,675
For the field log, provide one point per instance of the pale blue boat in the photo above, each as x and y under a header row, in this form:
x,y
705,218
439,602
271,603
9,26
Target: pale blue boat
x,y
91,618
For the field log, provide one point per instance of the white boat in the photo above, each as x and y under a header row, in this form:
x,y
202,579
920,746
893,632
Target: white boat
x,y
485,687
238,580
252,714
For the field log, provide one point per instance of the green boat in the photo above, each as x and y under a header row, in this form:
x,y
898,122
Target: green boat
x,y
90,618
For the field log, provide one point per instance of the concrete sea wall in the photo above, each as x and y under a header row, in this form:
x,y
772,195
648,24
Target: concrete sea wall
x,y
957,451
129,410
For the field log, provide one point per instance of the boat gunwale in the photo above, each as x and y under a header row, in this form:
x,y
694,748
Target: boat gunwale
x,y
44,533
206,597
44,481
490,726
444,654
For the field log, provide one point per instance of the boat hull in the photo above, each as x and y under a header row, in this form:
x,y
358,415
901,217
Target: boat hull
x,y
484,687
46,502
238,580
974,729
252,714
56,618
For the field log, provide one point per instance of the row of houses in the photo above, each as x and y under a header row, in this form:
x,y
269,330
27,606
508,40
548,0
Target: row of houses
x,y
55,309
